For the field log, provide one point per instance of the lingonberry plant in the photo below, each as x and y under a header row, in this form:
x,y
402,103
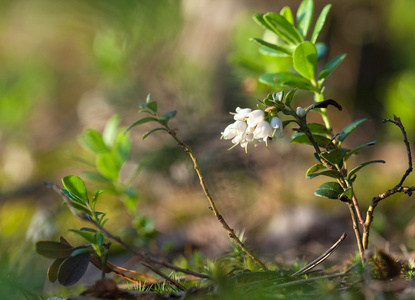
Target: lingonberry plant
x,y
295,38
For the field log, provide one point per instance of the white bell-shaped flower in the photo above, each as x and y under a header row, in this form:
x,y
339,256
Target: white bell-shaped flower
x,y
255,117
241,113
234,130
276,123
262,131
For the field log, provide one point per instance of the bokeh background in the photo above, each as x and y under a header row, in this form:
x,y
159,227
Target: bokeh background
x,y
66,66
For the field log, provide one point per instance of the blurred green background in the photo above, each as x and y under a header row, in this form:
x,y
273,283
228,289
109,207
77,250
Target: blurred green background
x,y
66,66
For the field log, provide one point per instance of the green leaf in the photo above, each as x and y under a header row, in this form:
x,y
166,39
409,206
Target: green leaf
x,y
357,168
110,131
348,193
94,141
89,237
80,251
357,149
148,99
329,173
305,60
330,66
331,190
279,48
349,129
314,168
108,165
168,116
286,79
259,19
74,185
139,122
122,147
145,135
149,107
73,268
95,198
95,176
304,16
52,249
289,97
287,14
301,138
321,50
318,128
283,28
320,23
333,156
74,198
54,268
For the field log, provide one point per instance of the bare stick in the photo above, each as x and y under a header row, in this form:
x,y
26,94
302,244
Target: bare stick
x,y
321,258
147,258
215,211
356,230
397,189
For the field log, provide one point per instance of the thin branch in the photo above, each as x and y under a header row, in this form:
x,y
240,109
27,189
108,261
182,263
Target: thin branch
x,y
168,278
321,258
147,258
215,211
356,230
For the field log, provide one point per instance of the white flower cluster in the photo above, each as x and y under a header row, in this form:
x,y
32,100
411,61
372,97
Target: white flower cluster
x,y
250,126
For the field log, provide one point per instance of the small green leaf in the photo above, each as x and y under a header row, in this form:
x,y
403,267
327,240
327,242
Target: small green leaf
x,y
54,268
139,122
349,129
320,23
333,156
301,138
74,198
259,19
95,198
348,193
279,48
74,185
318,128
145,135
168,116
149,107
304,16
89,237
95,176
330,66
73,268
321,50
305,59
94,141
52,249
331,190
328,173
283,28
357,168
80,251
108,165
148,99
110,131
314,168
287,14
122,147
287,79
357,149
289,97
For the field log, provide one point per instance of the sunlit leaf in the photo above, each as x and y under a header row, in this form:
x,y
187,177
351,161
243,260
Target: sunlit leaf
x,y
330,66
318,128
139,122
108,165
349,129
283,28
287,79
279,48
357,149
304,16
86,235
145,135
320,23
305,60
333,156
287,14
75,186
259,19
93,139
110,131
73,268
289,97
357,168
315,168
331,190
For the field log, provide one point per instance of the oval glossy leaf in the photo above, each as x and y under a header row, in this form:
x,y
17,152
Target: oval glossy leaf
x,y
278,48
320,23
54,268
286,79
304,16
314,168
73,268
139,122
52,249
75,185
328,173
283,28
330,66
333,156
357,149
305,60
94,141
357,168
301,138
287,14
108,165
145,135
331,190
349,129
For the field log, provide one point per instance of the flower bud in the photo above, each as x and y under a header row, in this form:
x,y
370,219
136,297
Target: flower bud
x,y
300,112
